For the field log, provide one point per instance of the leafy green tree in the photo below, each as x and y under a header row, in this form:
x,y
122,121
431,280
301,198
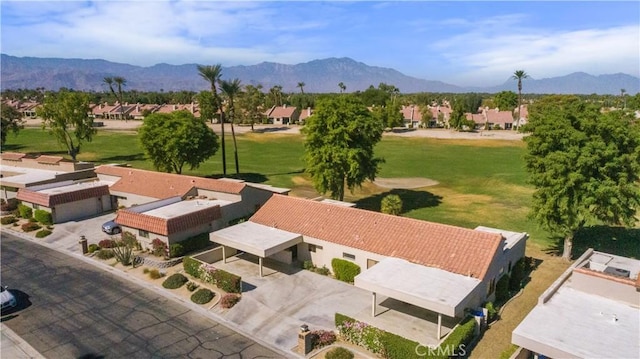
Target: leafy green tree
x,y
11,122
252,105
391,204
340,138
584,164
172,140
506,100
231,89
275,94
212,74
519,75
206,104
389,115
66,115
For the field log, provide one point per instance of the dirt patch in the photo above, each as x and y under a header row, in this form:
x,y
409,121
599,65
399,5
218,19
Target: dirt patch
x,y
405,183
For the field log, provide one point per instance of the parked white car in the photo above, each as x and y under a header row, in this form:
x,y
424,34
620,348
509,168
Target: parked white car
x,y
8,299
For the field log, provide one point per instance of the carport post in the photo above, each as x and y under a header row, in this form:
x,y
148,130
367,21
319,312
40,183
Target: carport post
x,y
439,326
224,255
373,304
260,263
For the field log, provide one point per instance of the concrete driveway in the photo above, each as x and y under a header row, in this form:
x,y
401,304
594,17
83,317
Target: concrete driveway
x,y
66,235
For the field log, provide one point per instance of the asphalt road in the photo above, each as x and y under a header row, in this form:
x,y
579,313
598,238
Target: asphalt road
x,y
70,309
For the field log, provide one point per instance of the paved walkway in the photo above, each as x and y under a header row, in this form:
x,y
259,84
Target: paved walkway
x,y
13,347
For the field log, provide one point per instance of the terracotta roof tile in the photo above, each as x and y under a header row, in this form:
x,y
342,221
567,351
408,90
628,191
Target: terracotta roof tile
x,y
164,185
281,111
51,200
12,156
49,159
454,249
411,113
169,226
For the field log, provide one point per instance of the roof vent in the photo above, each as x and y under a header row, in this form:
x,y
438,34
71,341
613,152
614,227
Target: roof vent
x,y
620,272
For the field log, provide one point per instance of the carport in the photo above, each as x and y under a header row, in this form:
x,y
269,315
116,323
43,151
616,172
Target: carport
x,y
430,288
259,240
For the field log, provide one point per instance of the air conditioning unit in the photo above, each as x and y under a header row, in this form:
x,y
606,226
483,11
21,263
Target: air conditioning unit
x,y
618,272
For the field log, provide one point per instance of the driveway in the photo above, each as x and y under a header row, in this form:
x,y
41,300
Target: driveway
x,y
66,235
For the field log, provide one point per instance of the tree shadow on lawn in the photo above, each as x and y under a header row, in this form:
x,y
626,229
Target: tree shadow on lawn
x,y
411,200
124,158
249,177
12,147
615,240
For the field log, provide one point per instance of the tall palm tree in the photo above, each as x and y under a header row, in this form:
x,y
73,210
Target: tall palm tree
x,y
230,89
624,101
120,81
212,74
301,85
342,87
519,75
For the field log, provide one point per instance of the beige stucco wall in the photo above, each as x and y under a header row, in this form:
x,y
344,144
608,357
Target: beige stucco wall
x,y
175,237
323,257
606,288
128,199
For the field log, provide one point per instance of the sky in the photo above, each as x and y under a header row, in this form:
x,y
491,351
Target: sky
x,y
466,43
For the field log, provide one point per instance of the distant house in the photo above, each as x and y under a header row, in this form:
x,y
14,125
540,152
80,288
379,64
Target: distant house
x,y
282,115
304,114
591,311
411,116
441,268
439,117
68,200
26,108
494,118
19,170
140,110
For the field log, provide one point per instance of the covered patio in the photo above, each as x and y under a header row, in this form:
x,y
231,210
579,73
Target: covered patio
x,y
437,291
259,240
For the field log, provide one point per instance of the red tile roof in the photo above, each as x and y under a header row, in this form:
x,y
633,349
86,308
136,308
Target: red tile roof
x,y
49,159
454,249
12,156
165,227
411,113
281,112
53,199
164,185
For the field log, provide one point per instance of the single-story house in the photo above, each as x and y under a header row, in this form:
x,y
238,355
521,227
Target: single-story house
x,y
494,118
591,311
282,115
68,200
442,268
19,170
171,220
411,116
130,187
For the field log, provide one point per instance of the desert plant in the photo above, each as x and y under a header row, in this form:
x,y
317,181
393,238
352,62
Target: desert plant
x,y
175,281
43,233
229,300
30,227
339,353
191,286
145,270
123,254
93,247
8,220
25,211
43,217
391,204
105,254
202,296
155,274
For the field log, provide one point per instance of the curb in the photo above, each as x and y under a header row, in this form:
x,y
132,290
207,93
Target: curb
x,y
174,297
19,345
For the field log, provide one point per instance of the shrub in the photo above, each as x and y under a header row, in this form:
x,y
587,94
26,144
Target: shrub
x,y
191,286
9,205
33,220
491,311
93,247
43,217
324,270
322,338
107,243
229,300
105,254
397,347
362,334
155,274
202,296
339,353
43,233
176,250
175,281
129,239
461,335
25,211
228,282
8,220
391,204
159,247
195,243
502,289
30,227
518,273
145,270
191,266
344,270
123,253
308,265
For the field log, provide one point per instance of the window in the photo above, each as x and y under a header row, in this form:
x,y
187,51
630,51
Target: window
x,y
348,256
313,248
492,286
143,234
36,206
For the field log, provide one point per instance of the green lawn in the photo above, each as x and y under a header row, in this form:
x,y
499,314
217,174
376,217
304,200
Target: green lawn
x,y
481,182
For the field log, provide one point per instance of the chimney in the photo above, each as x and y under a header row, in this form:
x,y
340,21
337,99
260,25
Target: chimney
x,y
175,107
192,107
284,106
309,111
138,107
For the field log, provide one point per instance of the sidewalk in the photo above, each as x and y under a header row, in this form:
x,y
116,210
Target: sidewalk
x,y
12,346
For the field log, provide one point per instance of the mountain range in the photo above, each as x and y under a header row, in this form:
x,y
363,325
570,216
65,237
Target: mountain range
x,y
319,76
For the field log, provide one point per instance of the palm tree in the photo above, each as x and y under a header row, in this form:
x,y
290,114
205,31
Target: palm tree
x,y
301,85
230,89
120,81
624,102
342,87
519,75
212,74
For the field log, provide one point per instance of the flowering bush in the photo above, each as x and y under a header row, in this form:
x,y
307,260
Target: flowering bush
x,y
362,334
322,338
229,300
107,243
159,247
207,273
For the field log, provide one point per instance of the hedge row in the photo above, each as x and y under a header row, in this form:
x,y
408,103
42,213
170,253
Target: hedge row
x,y
189,245
43,217
344,270
25,211
397,347
224,280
